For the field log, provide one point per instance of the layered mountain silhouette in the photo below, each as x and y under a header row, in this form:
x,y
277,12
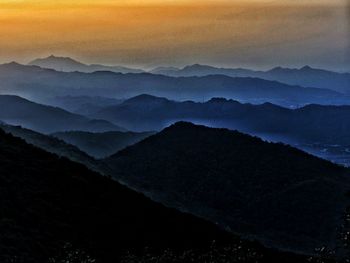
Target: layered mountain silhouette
x,y
55,210
68,64
305,76
33,81
312,123
46,119
53,145
277,194
101,145
48,201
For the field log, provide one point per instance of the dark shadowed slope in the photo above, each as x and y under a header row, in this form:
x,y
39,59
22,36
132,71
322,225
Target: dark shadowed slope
x,y
312,123
305,76
275,193
18,111
101,145
54,208
43,83
69,65
52,145
47,201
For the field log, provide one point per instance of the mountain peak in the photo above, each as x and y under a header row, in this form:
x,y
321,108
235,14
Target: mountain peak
x,y
307,67
182,125
197,67
218,100
258,179
145,98
13,64
56,58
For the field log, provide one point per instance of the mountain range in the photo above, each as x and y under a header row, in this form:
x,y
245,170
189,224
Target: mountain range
x,y
271,192
305,76
47,119
68,64
33,81
303,176
312,123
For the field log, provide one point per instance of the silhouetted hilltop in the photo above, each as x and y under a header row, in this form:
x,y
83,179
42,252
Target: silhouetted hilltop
x,y
280,195
48,201
68,64
55,210
18,111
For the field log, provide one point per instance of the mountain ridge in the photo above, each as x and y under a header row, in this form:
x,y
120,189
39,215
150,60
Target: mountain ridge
x,y
34,81
68,64
47,119
311,123
305,76
241,182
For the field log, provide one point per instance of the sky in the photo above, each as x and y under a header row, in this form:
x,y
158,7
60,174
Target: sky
x,y
256,34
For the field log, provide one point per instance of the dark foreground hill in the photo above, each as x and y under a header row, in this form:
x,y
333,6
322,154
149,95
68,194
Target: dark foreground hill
x,y
46,119
101,145
48,201
54,210
282,196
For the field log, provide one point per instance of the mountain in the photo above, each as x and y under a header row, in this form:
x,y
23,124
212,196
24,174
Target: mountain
x,y
52,145
271,192
311,77
70,65
39,83
55,210
101,145
46,119
163,70
84,105
48,202
312,123
305,76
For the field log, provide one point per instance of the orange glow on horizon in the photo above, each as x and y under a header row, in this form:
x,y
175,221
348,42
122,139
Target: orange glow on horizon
x,y
146,32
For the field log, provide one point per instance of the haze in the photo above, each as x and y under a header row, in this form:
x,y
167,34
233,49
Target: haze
x,y
255,34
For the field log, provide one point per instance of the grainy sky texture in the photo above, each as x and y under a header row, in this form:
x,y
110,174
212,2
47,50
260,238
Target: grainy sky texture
x,y
147,33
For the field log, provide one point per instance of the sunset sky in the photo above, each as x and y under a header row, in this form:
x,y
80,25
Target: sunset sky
x,y
147,33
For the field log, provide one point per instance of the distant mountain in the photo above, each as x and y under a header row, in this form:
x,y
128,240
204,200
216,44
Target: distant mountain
x,y
46,119
305,76
277,194
163,70
52,145
84,105
33,81
49,204
312,123
70,65
101,145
